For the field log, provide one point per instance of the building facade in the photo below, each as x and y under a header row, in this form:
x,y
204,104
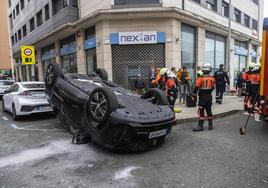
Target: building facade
x,y
5,61
127,37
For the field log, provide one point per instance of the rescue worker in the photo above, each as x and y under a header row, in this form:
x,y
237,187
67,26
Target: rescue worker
x,y
157,81
170,86
184,77
204,87
255,79
221,78
246,77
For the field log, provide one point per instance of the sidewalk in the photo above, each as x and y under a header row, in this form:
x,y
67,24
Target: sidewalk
x,y
231,104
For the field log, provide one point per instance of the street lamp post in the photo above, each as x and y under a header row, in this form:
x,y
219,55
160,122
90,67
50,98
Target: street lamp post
x,y
229,41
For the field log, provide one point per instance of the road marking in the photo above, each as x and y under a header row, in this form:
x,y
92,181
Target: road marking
x,y
125,173
29,128
5,118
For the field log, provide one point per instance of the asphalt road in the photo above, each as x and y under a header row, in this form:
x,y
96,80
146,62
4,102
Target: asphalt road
x,y
37,152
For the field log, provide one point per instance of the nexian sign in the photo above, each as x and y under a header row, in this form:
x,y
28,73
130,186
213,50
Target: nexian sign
x,y
148,37
144,37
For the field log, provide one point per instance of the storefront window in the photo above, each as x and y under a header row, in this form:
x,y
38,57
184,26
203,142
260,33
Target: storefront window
x,y
188,47
214,50
69,63
254,54
91,60
90,46
68,54
241,54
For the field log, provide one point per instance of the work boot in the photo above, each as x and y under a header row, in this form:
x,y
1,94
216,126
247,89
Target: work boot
x,y
199,126
210,124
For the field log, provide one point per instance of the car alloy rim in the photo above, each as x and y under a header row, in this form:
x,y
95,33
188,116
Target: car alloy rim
x,y
98,105
50,75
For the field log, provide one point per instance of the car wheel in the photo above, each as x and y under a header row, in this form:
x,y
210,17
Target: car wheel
x,y
103,74
14,114
52,72
155,96
3,106
102,101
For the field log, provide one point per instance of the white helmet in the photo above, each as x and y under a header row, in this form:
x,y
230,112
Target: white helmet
x,y
206,67
256,67
163,71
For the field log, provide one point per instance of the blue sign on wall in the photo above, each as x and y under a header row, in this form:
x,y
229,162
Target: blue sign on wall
x,y
68,50
240,51
90,43
146,37
49,55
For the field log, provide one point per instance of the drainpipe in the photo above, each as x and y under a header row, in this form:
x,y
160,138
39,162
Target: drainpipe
x,y
229,41
183,4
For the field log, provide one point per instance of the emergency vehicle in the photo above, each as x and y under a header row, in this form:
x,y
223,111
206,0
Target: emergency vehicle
x,y
264,74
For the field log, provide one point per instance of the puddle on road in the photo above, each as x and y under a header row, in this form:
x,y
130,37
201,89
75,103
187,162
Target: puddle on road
x,y
52,149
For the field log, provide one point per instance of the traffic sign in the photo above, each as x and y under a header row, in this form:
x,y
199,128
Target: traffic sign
x,y
28,55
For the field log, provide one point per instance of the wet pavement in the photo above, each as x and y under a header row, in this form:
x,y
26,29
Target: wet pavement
x,y
37,152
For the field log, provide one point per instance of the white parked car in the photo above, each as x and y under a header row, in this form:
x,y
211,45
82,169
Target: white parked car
x,y
26,98
4,85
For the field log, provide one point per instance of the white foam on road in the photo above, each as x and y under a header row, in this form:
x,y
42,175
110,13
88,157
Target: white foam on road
x,y
5,118
125,173
29,128
54,148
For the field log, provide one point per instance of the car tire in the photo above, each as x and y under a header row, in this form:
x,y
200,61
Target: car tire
x,y
102,101
14,113
3,106
158,96
103,74
52,72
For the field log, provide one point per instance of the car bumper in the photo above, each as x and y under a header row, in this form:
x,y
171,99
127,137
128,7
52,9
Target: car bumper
x,y
33,109
136,136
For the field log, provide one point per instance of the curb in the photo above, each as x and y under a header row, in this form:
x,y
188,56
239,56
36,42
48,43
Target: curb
x,y
220,115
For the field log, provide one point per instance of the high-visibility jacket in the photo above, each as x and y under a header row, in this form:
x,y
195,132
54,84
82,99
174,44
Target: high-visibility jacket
x,y
204,85
183,75
255,78
157,79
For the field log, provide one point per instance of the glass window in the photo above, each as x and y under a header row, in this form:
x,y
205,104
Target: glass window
x,y
16,38
91,60
214,50
65,3
75,3
212,5
12,40
39,18
256,2
47,12
197,1
17,9
33,86
237,15
10,21
14,14
9,3
129,2
254,54
24,31
246,20
57,5
19,35
69,63
22,4
90,33
189,48
254,24
225,9
32,25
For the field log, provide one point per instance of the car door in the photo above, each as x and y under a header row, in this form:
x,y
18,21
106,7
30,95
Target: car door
x,y
13,91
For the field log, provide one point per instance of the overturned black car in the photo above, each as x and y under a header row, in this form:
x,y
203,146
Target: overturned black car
x,y
110,115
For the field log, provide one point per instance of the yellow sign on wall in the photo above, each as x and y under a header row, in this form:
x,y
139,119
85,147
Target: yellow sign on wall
x,y
27,55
